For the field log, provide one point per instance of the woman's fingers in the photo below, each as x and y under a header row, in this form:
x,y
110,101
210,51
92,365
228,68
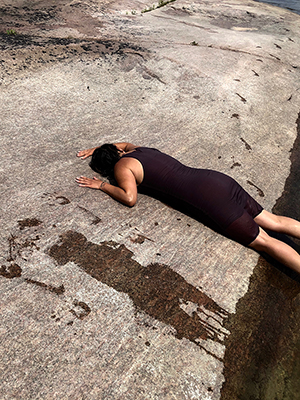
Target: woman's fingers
x,y
82,180
88,182
83,154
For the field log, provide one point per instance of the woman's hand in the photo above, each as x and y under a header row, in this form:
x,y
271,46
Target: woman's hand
x,y
83,154
94,183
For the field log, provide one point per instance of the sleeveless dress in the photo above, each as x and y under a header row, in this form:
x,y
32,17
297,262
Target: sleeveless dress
x,y
214,194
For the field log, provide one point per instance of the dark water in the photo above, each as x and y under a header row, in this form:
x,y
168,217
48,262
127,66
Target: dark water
x,y
292,5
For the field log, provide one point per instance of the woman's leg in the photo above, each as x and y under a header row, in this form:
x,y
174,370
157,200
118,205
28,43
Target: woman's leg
x,y
280,251
277,223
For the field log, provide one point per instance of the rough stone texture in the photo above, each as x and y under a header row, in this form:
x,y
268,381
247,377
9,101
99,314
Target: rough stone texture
x,y
139,308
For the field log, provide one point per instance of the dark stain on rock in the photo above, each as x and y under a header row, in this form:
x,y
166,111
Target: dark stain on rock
x,y
57,290
148,74
26,52
11,248
139,239
28,222
155,289
44,15
247,145
15,247
29,242
11,271
277,58
96,219
260,192
242,98
262,357
84,309
235,164
62,200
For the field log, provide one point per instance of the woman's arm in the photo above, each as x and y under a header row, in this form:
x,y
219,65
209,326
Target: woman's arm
x,y
124,146
126,193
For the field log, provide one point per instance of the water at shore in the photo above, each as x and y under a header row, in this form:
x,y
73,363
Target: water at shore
x,y
292,5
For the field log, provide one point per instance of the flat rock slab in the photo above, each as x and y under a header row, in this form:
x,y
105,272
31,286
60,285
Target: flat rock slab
x,y
100,301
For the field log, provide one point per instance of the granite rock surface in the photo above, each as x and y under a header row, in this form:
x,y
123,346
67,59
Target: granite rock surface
x,y
100,301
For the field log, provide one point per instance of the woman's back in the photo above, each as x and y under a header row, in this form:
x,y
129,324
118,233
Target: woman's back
x,y
211,192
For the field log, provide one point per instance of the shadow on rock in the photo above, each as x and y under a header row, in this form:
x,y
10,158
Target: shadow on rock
x,y
155,289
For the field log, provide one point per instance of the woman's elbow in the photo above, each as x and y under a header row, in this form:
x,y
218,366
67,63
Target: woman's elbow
x,y
131,200
131,203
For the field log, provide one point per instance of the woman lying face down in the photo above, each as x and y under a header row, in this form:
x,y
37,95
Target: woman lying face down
x,y
213,193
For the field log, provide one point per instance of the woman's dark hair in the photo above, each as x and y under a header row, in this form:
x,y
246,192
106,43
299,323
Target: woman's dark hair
x,y
104,159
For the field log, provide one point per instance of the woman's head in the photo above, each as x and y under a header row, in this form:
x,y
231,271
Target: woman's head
x,y
104,159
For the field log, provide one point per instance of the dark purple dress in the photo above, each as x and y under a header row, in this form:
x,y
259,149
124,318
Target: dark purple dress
x,y
213,193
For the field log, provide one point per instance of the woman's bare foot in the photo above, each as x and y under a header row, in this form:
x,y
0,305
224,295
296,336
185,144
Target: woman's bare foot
x,y
85,153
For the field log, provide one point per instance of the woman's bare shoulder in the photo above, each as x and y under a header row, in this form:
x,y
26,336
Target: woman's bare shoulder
x,y
131,164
